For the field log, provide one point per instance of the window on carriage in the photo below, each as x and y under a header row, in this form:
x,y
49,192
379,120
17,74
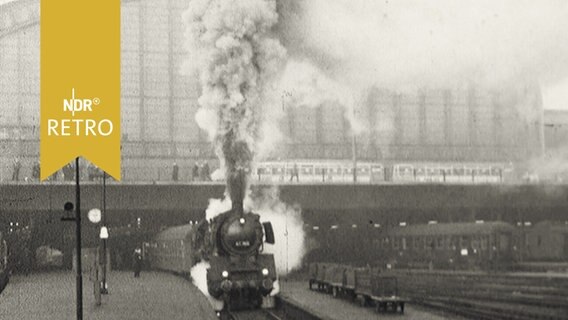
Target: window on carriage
x,y
463,242
395,243
429,243
454,241
439,242
448,242
403,243
376,243
484,242
504,242
417,243
385,243
475,242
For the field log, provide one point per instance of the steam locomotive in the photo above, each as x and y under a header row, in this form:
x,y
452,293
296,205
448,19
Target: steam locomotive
x,y
232,243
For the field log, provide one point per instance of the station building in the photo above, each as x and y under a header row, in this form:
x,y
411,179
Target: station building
x,y
159,102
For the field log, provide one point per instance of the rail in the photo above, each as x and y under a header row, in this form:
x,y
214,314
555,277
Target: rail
x,y
285,310
489,296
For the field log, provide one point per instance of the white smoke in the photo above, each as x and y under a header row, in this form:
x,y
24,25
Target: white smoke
x,y
199,279
552,167
217,206
232,51
288,227
393,44
308,86
340,49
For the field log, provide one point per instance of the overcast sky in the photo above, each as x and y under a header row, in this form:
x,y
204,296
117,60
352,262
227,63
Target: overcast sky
x,y
556,96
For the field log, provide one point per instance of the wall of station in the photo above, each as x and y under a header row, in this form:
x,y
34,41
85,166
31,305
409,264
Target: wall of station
x,y
159,101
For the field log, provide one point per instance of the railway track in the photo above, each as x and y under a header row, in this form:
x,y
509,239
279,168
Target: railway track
x,y
254,315
284,311
490,296
489,311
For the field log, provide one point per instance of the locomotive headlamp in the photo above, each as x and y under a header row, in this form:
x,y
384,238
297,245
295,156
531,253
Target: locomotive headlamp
x,y
225,274
264,272
242,220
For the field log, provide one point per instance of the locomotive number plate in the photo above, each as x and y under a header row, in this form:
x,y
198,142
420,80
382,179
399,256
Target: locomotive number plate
x,y
242,243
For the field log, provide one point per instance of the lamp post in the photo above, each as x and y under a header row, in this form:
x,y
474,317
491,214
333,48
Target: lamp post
x,y
77,219
104,237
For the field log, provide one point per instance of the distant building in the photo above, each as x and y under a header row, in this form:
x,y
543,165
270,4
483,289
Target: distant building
x,y
466,124
556,130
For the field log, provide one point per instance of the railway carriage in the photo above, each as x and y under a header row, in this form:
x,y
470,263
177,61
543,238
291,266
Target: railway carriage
x,y
488,245
174,249
310,171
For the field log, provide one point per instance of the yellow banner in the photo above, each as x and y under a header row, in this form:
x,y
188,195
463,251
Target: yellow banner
x,y
80,84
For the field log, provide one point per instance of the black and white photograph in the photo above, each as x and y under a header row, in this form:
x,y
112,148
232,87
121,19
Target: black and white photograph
x,y
296,159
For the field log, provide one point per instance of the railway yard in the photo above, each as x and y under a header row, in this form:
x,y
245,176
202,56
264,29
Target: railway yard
x,y
385,270
430,295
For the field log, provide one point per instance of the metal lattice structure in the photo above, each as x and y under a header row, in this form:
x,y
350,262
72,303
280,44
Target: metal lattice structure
x,y
159,103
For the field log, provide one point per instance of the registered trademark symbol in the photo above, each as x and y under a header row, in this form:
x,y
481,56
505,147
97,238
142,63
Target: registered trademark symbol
x,y
96,101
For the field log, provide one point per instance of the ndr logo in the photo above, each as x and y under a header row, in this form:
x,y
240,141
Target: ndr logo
x,y
79,105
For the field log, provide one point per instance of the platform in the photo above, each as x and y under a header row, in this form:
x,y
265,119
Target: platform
x,y
51,296
329,308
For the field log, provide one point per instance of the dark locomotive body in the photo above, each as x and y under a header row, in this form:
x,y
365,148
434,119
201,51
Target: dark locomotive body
x,y
239,273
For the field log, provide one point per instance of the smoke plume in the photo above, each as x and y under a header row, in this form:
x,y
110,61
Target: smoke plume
x,y
199,278
232,49
288,226
397,44
338,50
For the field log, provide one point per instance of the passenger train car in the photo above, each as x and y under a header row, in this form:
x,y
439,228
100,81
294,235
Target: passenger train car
x,y
487,245
310,171
173,249
232,243
464,245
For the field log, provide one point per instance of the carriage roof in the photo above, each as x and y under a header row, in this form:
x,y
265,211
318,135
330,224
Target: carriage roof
x,y
458,228
176,233
551,226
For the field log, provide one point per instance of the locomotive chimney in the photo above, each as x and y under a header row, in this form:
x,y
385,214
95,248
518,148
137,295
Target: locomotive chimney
x,y
237,187
238,207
